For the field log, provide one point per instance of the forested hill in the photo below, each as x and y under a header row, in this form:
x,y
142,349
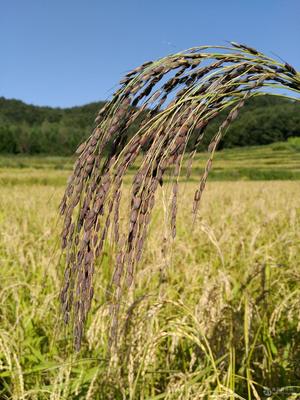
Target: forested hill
x,y
30,129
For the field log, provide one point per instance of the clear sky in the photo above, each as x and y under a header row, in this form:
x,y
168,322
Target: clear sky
x,y
71,52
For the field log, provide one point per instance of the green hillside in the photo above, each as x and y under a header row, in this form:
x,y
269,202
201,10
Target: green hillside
x,y
31,129
28,129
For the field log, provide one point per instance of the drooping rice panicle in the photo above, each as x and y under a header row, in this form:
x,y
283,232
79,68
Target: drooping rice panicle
x,y
193,86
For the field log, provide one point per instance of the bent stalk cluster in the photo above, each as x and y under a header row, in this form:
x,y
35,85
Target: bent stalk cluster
x,y
172,100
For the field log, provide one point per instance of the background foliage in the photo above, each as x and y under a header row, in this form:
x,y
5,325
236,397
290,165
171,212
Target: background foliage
x,y
28,129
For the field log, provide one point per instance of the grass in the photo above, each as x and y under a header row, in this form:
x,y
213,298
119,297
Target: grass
x,y
212,314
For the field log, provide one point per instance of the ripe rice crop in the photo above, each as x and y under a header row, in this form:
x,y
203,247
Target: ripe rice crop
x,y
176,95
212,314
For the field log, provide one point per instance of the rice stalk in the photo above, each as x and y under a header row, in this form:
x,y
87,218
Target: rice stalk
x,y
177,96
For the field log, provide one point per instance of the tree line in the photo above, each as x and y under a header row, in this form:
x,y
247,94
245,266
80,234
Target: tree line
x,y
29,129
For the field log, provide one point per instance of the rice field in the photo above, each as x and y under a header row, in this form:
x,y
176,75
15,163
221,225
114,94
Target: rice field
x,y
279,161
212,314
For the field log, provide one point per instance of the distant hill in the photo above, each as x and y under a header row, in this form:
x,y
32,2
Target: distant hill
x,y
16,111
29,129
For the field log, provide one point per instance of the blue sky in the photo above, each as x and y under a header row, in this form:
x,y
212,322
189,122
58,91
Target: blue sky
x,y
71,52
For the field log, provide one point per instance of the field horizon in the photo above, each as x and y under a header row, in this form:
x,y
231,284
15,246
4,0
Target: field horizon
x,y
277,161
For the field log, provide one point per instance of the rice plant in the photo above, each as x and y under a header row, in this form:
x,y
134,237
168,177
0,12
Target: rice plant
x,y
172,100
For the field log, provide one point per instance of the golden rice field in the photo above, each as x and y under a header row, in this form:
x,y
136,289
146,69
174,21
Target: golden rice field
x,y
213,314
